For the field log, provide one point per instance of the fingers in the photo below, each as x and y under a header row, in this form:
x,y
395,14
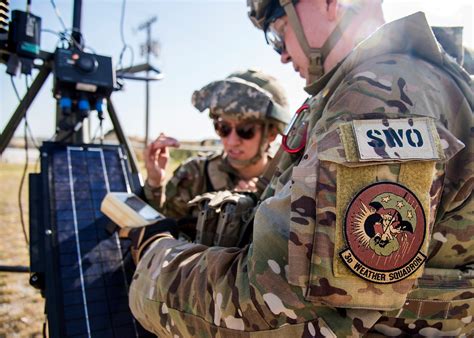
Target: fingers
x,y
162,157
148,156
244,185
156,157
163,141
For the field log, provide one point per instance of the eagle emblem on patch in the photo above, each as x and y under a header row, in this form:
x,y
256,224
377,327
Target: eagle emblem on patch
x,y
384,229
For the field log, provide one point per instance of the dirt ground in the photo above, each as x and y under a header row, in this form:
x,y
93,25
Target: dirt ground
x,y
21,306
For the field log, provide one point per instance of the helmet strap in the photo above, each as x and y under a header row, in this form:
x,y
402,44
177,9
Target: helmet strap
x,y
316,56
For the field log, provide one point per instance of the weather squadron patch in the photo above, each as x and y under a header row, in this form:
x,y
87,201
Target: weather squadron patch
x,y
384,229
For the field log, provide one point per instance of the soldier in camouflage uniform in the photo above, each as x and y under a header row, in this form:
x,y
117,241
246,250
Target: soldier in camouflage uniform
x,y
367,228
249,102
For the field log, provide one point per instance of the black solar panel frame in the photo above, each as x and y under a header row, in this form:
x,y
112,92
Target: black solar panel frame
x,y
45,236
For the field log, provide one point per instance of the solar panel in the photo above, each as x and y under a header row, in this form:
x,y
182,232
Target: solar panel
x,y
85,275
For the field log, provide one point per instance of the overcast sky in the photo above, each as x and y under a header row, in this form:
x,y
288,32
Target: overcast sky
x,y
200,40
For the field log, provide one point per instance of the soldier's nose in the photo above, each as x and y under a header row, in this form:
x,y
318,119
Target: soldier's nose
x,y
233,138
285,57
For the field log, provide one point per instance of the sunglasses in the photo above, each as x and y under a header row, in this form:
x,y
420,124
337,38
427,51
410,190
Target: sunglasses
x,y
272,36
245,131
275,39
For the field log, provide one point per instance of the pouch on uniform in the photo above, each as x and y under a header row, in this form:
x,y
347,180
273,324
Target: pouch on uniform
x,y
235,211
207,218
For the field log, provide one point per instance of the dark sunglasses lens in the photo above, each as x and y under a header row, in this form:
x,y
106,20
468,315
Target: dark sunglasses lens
x,y
222,129
246,132
274,40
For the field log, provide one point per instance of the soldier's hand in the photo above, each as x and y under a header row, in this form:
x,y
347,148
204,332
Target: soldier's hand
x,y
156,159
250,185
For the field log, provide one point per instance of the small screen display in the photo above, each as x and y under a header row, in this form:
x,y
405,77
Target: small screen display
x,y
141,208
135,203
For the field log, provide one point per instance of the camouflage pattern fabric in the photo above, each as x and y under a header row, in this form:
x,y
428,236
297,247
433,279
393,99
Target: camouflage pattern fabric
x,y
468,62
223,216
246,95
239,99
451,40
265,81
290,282
189,180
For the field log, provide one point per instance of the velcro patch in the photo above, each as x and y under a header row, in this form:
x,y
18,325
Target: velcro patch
x,y
384,228
399,139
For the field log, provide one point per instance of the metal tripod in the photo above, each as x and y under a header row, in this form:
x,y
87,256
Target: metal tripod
x,y
30,95
74,138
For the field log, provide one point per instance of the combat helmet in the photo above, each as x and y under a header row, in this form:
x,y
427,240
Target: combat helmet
x,y
263,12
246,95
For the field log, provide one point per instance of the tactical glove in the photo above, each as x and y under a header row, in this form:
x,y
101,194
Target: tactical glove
x,y
142,237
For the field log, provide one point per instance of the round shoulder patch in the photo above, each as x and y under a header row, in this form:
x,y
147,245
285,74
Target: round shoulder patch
x,y
384,229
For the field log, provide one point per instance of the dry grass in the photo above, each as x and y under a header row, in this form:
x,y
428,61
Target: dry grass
x,y
21,306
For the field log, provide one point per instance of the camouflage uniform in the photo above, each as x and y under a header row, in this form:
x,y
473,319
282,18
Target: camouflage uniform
x,y
248,95
468,62
194,177
292,280
450,39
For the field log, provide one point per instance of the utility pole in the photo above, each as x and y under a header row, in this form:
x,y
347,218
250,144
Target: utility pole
x,y
148,48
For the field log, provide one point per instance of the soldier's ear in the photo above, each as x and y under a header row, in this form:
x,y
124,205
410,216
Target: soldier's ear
x,y
272,133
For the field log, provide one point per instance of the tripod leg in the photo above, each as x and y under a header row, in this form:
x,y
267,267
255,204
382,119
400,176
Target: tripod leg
x,y
24,105
121,136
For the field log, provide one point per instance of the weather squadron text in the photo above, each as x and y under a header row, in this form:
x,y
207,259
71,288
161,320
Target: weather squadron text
x,y
380,276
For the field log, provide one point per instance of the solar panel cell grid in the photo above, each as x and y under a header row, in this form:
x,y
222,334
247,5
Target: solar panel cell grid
x,y
92,297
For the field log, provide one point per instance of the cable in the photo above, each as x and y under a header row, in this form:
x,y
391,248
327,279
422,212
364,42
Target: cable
x,y
32,138
14,88
125,45
58,14
61,35
91,49
66,30
25,168
65,36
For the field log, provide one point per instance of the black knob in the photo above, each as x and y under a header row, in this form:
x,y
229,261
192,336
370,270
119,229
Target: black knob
x,y
87,63
37,280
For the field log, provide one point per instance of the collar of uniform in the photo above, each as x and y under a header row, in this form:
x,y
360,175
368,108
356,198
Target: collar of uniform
x,y
316,86
408,35
226,167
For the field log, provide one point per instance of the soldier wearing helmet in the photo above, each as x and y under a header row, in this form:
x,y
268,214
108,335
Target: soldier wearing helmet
x,y
388,126
248,110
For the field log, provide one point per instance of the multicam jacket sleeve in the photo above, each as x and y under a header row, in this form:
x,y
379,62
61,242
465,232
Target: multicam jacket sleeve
x,y
188,181
321,261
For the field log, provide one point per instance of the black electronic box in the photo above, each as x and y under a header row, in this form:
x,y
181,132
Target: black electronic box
x,y
76,70
24,34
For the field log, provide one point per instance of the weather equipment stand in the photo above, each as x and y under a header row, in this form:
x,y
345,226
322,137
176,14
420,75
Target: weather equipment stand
x,y
76,259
